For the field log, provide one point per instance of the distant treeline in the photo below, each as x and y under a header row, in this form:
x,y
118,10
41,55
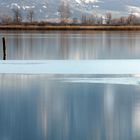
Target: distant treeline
x,y
65,18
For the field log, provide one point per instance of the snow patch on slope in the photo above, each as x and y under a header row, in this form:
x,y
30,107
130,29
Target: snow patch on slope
x,y
133,10
78,1
93,1
15,5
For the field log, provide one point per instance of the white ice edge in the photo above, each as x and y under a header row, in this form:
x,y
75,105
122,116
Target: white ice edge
x,y
121,80
70,66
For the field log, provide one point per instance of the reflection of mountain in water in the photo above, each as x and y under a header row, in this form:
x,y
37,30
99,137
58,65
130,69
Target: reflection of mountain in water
x,y
37,108
73,45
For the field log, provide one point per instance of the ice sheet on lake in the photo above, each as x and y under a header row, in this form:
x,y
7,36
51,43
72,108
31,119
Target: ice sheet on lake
x,y
78,67
70,67
121,80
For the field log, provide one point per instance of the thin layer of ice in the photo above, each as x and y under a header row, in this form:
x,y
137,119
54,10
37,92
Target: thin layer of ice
x,y
70,67
120,81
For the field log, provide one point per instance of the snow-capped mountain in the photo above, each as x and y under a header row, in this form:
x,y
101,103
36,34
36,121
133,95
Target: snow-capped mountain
x,y
44,9
116,7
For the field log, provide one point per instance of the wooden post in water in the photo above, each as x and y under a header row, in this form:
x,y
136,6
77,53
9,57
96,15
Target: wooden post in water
x,y
4,48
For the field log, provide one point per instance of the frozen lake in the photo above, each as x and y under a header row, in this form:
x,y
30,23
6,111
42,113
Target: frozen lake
x,y
64,85
70,67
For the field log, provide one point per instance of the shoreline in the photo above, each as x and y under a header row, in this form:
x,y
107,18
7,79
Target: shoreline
x,y
69,27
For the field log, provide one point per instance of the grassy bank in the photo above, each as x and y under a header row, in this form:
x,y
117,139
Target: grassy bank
x,y
67,27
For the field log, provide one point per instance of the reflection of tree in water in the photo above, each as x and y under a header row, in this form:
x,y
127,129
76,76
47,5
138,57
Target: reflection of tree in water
x,y
109,41
17,45
88,46
19,109
132,40
42,109
71,45
84,111
103,44
77,46
23,45
30,47
118,111
64,46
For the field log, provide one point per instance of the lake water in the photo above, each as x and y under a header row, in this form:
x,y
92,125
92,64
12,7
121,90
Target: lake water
x,y
72,45
70,106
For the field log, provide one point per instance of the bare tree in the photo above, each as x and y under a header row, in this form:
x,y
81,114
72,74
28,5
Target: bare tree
x,y
108,18
100,20
17,15
75,20
91,20
88,20
83,19
6,19
94,18
30,15
122,20
131,19
64,11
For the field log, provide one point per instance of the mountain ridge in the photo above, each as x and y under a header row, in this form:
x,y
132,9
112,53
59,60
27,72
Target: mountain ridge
x,y
49,9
